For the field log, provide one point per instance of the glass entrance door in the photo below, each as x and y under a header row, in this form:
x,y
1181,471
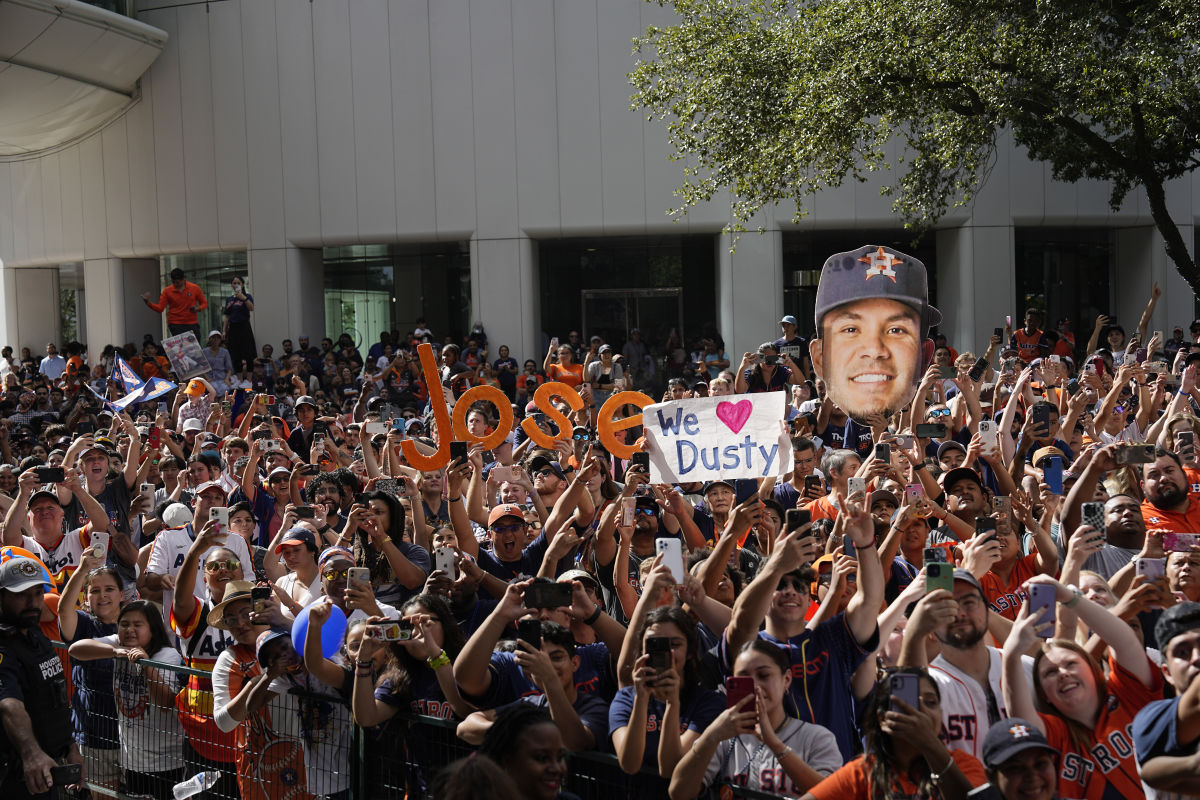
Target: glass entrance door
x,y
612,313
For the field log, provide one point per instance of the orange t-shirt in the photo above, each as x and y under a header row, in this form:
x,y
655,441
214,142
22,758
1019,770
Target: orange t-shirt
x,y
851,780
1027,344
1186,522
1006,598
821,508
1108,768
572,375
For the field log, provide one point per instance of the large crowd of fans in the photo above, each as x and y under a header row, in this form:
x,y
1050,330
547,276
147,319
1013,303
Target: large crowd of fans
x,y
999,583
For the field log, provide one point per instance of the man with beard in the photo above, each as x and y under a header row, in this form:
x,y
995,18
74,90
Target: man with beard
x,y
968,672
1124,525
872,314
1168,505
33,688
549,480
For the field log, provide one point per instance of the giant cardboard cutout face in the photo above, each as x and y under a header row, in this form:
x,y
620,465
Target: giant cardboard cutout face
x,y
872,314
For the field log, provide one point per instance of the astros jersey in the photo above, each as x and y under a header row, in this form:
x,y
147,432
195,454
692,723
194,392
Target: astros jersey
x,y
1108,770
1006,598
170,548
65,556
965,704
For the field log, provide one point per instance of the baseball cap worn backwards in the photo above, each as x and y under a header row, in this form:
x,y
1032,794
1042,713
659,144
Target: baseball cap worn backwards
x,y
871,272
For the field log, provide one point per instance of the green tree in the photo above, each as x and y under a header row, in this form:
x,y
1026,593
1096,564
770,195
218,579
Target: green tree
x,y
778,100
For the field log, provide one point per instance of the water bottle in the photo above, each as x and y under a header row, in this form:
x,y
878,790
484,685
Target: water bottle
x,y
196,784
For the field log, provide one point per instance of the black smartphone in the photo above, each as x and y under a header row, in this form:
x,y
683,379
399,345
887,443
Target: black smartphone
x,y
540,594
985,527
305,512
458,451
320,427
51,474
998,332
1041,418
883,451
85,427
978,370
641,459
258,436
659,650
259,596
930,430
66,774
1073,387
1135,454
530,630
797,518
813,482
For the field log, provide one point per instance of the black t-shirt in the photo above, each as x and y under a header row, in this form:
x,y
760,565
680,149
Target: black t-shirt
x,y
506,379
31,672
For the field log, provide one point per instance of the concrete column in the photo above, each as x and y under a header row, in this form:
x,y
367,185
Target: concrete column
x,y
104,298
976,282
504,295
141,275
288,285
31,313
1141,261
749,289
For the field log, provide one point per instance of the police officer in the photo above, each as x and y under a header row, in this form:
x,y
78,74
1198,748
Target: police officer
x,y
33,688
872,313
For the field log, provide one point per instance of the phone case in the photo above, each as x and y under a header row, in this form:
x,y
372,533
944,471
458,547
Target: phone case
x,y
1180,542
443,559
939,575
1093,514
359,575
907,687
1152,568
856,485
737,687
1042,604
627,508
672,553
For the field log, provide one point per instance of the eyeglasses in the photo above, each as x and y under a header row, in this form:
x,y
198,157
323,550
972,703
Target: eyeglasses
x,y
335,574
938,412
233,619
514,528
229,565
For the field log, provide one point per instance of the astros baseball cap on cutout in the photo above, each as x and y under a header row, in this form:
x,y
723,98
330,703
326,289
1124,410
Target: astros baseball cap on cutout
x,y
870,272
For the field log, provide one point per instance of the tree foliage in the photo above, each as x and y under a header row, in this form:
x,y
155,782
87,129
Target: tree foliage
x,y
776,100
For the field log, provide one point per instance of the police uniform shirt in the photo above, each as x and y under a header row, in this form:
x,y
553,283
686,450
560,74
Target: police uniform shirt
x,y
31,672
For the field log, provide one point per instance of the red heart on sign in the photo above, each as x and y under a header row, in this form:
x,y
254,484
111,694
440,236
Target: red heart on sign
x,y
734,415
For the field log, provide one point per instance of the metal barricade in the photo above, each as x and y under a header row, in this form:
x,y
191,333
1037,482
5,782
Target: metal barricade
x,y
306,740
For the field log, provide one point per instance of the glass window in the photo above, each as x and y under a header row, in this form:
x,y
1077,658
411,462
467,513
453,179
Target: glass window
x,y
72,327
212,272
373,288
1066,273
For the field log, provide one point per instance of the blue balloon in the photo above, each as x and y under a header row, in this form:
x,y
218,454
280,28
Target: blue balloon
x,y
331,632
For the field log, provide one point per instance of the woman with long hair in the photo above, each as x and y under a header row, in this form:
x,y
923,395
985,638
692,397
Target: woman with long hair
x,y
658,718
398,567
754,743
237,331
1084,715
903,755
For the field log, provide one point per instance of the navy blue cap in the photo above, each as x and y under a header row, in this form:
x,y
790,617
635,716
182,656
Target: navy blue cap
x,y
870,272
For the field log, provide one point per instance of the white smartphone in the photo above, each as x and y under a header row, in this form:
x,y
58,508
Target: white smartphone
x,y
857,485
147,489
627,510
359,575
375,428
989,434
443,559
221,517
672,553
99,546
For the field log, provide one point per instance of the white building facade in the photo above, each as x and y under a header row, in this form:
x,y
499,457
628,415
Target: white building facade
x,y
368,162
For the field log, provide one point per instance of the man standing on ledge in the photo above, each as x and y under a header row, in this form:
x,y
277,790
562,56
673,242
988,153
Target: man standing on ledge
x,y
872,313
182,299
33,689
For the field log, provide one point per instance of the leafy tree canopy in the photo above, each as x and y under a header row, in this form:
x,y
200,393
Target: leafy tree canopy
x,y
777,99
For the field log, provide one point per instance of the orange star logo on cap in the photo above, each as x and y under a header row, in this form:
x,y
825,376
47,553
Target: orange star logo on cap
x,y
880,263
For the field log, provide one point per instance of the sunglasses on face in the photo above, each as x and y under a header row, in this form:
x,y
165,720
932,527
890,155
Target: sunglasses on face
x,y
648,512
542,473
792,583
229,565
938,412
335,574
503,529
581,437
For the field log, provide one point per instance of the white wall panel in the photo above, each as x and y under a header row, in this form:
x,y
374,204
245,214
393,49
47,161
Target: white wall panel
x,y
52,208
412,117
335,121
536,108
143,191
261,153
494,119
199,155
229,128
374,148
37,309
297,129
20,212
453,117
91,194
116,188
623,174
7,188
72,205
169,140
579,164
